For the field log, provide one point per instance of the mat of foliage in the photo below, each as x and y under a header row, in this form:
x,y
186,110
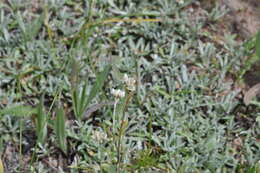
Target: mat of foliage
x,y
60,60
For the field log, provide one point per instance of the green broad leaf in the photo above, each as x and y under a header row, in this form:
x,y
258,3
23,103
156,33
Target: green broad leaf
x,y
252,170
257,45
60,129
41,123
18,110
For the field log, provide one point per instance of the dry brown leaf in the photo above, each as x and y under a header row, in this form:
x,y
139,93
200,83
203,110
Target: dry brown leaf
x,y
249,95
94,108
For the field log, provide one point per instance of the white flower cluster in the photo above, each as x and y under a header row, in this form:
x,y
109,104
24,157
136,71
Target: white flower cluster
x,y
117,93
99,136
130,82
180,1
130,86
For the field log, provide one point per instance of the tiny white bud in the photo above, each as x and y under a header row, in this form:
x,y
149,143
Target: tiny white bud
x,y
125,78
113,91
180,1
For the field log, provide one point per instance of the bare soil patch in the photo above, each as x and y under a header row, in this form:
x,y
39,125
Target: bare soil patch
x,y
244,15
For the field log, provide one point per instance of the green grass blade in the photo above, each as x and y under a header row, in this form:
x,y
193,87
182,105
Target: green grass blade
x,y
79,99
101,77
20,21
75,98
83,100
34,29
258,44
78,95
41,123
60,129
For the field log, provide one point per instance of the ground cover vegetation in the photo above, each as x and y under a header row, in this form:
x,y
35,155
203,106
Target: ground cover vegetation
x,y
125,86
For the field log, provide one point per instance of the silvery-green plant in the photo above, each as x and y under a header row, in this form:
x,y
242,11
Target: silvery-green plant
x,y
185,113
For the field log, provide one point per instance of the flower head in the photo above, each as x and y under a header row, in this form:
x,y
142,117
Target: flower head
x,y
117,93
130,82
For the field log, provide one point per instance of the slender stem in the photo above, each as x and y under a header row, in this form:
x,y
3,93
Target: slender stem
x,y
117,140
150,127
114,116
118,154
20,143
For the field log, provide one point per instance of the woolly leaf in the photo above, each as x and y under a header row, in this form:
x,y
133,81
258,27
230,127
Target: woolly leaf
x,y
18,110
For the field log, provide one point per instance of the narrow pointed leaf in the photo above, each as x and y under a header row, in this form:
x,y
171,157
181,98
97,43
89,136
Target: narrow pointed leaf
x,y
258,44
101,77
34,29
60,129
75,98
41,123
83,100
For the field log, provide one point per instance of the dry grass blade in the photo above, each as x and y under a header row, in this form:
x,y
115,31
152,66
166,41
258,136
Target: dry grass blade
x,y
251,93
115,20
94,108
